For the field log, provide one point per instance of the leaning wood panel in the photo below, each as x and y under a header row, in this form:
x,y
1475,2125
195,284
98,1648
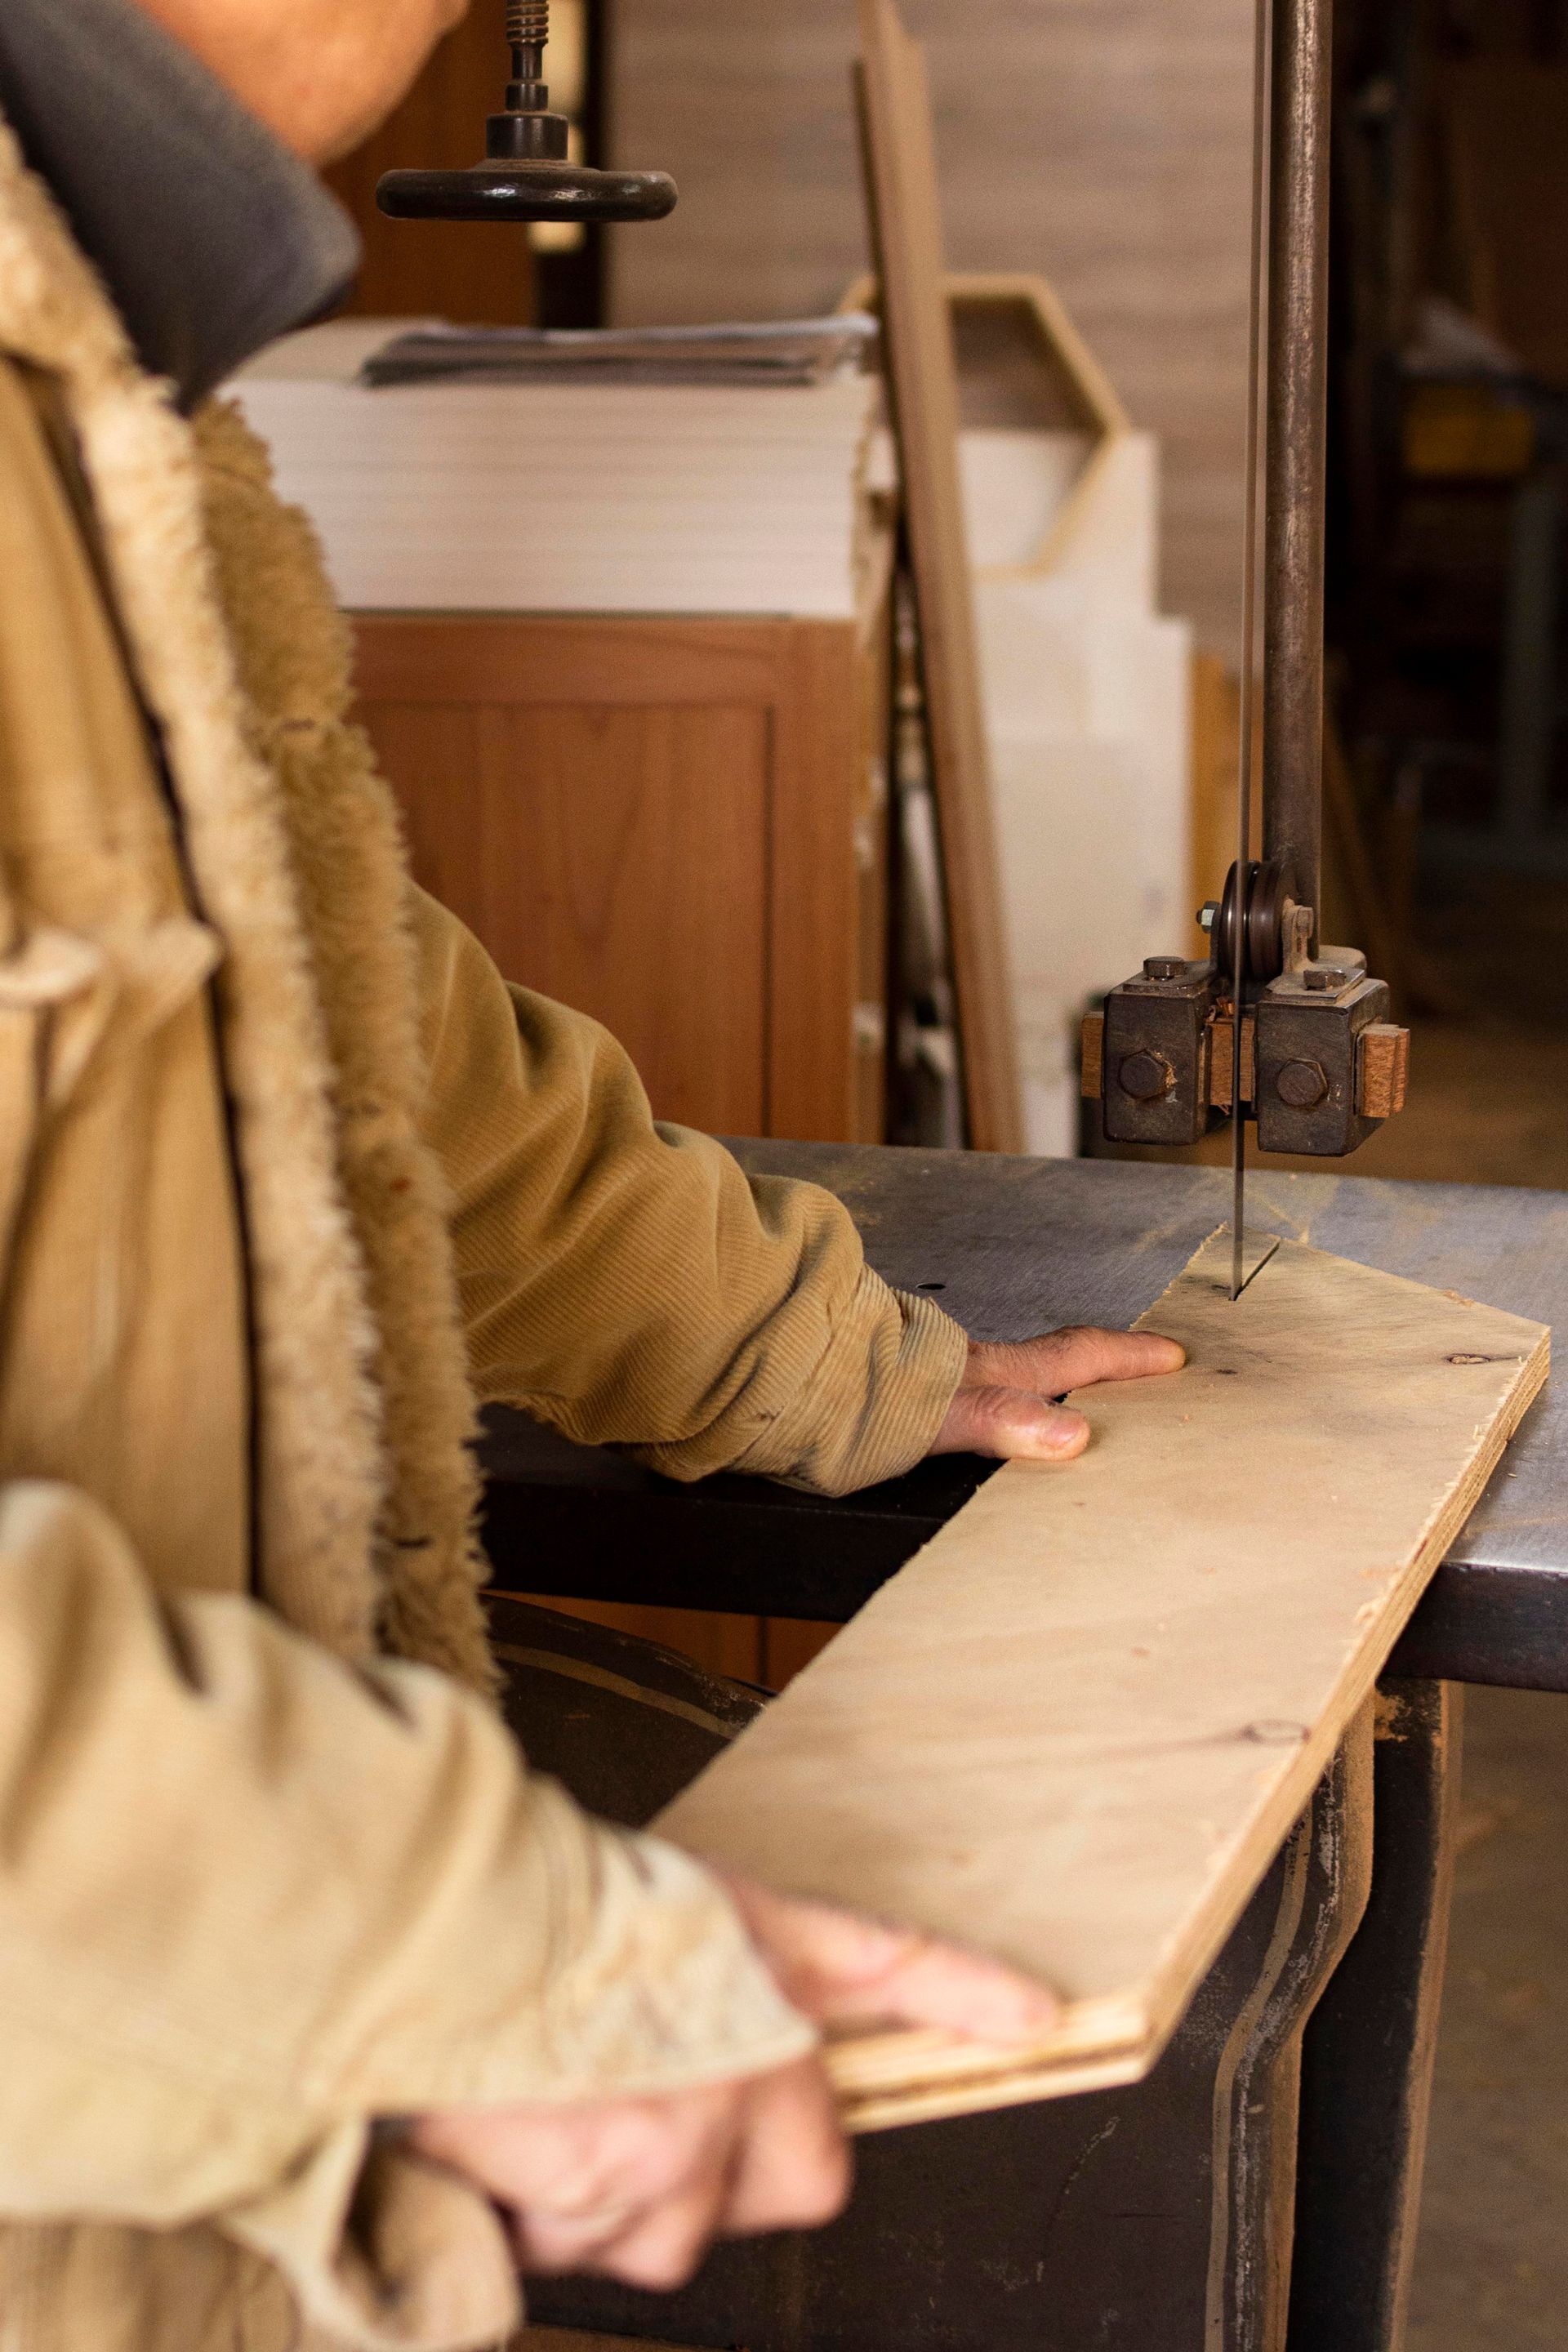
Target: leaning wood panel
x,y
1075,1729
905,227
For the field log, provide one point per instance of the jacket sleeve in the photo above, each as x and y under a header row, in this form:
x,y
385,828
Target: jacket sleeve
x,y
252,1900
625,1281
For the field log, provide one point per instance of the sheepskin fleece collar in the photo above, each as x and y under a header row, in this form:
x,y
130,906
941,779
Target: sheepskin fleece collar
x,y
367,1490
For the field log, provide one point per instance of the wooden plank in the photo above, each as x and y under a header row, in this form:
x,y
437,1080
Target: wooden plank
x,y
905,227
1073,1730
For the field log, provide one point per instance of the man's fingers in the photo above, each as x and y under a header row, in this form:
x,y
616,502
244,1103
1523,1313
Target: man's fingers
x,y
842,1968
930,1983
1006,1405
546,2243
791,2169
634,2188
1010,1424
660,2248
1077,1358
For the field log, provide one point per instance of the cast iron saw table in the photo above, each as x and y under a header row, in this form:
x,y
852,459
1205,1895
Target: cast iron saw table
x,y
1258,2190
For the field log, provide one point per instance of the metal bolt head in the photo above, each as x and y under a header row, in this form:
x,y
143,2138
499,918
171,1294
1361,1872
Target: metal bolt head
x,y
1325,976
1208,914
1163,967
1145,1077
1302,1084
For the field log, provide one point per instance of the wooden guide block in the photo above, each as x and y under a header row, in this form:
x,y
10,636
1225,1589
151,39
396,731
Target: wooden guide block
x,y
1075,1729
1091,1057
1222,1059
1383,1070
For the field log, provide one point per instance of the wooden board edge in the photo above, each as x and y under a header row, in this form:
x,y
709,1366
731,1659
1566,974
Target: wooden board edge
x,y
892,2078
1018,2085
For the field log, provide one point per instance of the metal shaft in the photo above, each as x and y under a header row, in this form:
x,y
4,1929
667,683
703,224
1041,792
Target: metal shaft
x,y
1298,433
527,29
1249,631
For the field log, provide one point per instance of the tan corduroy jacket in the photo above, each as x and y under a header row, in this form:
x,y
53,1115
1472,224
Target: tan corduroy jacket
x,y
287,1178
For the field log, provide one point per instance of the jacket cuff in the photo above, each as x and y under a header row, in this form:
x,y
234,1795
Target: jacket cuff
x,y
873,1405
384,2251
650,1984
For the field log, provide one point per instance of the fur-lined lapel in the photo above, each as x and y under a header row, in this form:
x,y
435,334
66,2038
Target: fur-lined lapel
x,y
294,655
366,1489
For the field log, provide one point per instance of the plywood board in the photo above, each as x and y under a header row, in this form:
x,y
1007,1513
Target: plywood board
x,y
1073,1731
906,230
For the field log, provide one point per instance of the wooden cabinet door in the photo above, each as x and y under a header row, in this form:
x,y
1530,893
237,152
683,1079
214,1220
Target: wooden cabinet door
x,y
616,859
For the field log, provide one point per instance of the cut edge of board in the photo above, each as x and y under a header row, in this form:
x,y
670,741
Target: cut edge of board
x,y
908,2074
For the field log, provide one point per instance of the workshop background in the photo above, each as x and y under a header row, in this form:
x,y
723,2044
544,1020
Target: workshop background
x,y
1103,146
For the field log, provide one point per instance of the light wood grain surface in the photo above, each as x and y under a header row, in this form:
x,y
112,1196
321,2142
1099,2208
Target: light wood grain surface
x,y
1073,1730
658,821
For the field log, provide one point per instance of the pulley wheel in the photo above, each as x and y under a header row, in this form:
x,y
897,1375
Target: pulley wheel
x,y
1272,883
1265,887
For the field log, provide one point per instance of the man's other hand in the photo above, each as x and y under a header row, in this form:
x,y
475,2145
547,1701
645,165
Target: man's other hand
x,y
1007,1406
639,2187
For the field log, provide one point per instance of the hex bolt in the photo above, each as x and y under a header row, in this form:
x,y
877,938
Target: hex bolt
x,y
1323,976
1302,1084
1163,967
1145,1077
1208,914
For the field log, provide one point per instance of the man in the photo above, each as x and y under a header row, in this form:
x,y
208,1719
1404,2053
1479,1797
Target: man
x,y
318,2017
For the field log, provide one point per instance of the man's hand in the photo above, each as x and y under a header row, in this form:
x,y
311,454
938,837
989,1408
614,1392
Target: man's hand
x,y
1004,1404
636,2188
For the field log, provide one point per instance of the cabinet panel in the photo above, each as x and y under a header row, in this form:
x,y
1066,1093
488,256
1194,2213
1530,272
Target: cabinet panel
x,y
615,858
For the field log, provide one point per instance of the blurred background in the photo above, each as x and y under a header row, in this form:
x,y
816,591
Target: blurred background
x,y
1102,144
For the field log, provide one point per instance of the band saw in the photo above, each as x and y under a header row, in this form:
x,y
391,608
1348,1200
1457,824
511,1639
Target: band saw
x,y
1314,1061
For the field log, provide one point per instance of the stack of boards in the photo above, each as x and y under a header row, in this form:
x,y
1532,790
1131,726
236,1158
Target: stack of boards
x,y
1075,1730
711,470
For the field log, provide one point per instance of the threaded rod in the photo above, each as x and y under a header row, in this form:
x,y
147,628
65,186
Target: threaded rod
x,y
528,29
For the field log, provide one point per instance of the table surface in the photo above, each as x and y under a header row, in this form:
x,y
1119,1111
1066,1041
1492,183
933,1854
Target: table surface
x,y
1014,1246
